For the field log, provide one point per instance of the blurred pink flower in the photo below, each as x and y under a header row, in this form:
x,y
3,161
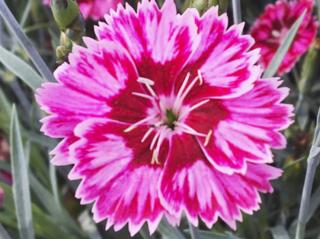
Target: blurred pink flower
x,y
272,26
4,155
94,9
165,114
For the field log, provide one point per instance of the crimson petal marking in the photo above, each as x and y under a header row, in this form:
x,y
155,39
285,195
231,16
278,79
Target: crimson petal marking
x,y
226,65
244,129
182,188
159,41
112,170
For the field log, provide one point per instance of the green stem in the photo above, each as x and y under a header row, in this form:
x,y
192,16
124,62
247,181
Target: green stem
x,y
25,42
313,162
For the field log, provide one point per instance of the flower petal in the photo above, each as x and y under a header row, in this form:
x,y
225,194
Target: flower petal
x,y
182,188
245,128
159,41
123,177
222,57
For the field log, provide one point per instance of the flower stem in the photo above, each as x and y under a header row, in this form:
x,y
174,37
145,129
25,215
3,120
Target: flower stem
x,y
193,231
312,164
34,55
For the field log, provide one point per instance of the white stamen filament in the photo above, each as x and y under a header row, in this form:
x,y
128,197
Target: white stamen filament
x,y
154,140
145,96
135,125
148,83
155,155
182,93
146,135
187,111
187,129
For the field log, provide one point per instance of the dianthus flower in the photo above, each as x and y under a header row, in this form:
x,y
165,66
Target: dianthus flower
x,y
271,27
166,115
94,9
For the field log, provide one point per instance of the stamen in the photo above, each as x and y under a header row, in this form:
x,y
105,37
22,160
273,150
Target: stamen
x,y
145,81
145,96
187,129
182,93
135,125
208,138
155,155
184,83
200,77
194,107
145,136
155,159
148,83
154,140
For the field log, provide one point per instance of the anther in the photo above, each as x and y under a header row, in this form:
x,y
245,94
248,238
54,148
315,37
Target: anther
x,y
200,77
206,142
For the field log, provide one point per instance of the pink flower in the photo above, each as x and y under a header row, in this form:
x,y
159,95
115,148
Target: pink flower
x,y
94,9
272,26
165,114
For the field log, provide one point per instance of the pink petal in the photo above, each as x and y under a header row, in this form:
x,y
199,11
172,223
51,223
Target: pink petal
x,y
123,177
182,188
222,57
159,42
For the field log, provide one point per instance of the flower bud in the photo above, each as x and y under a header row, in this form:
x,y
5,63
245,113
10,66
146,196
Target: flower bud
x,y
203,5
65,12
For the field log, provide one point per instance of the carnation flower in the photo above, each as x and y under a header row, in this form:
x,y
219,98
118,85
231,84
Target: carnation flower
x,y
94,9
271,27
166,114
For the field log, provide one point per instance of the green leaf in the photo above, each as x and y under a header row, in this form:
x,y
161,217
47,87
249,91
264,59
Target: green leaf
x,y
34,55
5,110
279,232
283,48
20,68
3,233
167,231
236,11
59,215
21,190
215,235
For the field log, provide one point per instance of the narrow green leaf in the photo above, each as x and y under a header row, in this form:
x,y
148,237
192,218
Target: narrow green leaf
x,y
20,68
215,235
59,214
167,231
34,55
279,232
194,232
3,233
283,48
236,11
21,190
5,110
88,225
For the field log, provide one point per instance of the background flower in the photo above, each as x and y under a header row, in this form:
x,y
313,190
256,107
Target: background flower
x,y
272,26
94,9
